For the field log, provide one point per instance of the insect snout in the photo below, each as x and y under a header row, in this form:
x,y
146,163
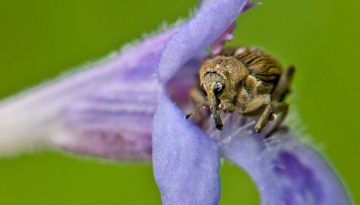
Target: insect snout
x,y
212,86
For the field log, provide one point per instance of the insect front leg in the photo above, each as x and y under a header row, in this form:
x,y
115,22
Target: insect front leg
x,y
254,104
280,109
264,119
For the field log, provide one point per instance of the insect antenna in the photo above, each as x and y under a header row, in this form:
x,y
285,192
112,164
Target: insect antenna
x,y
201,106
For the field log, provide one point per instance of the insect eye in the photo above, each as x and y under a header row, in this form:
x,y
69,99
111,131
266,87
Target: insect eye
x,y
218,88
203,90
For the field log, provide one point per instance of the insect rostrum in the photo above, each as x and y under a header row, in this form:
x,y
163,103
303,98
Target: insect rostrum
x,y
244,80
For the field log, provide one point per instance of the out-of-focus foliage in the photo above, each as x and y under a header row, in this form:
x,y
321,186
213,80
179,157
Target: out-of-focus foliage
x,y
40,39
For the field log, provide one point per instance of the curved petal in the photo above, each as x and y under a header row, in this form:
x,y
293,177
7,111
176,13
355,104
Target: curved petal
x,y
249,6
178,86
116,120
284,169
91,110
196,35
185,159
218,44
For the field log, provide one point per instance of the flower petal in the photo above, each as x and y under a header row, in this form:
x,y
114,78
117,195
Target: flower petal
x,y
249,6
185,159
178,86
113,122
284,169
196,35
116,121
205,3
93,110
219,43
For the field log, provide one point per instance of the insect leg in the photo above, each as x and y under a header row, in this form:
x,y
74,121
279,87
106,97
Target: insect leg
x,y
284,82
264,119
281,110
254,104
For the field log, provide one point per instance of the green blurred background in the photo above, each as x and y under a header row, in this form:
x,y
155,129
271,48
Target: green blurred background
x,y
40,39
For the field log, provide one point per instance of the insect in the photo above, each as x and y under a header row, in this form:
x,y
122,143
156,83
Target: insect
x,y
244,80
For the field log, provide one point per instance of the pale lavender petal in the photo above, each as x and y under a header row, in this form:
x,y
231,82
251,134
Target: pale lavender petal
x,y
116,121
185,159
113,122
105,109
284,169
196,35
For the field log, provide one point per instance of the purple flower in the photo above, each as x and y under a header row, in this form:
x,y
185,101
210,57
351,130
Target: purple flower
x,y
123,108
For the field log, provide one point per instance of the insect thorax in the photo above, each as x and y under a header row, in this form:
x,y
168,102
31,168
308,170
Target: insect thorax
x,y
260,63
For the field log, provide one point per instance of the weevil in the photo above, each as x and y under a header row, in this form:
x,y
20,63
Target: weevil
x,y
244,80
